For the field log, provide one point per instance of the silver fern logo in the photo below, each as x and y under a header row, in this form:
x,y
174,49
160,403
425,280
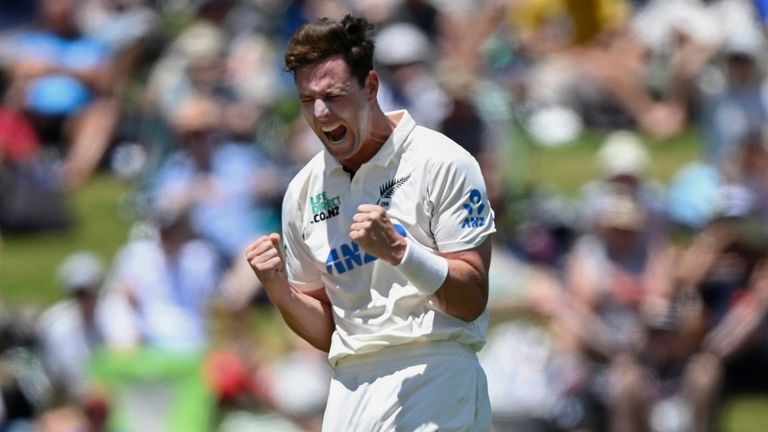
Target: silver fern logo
x,y
388,189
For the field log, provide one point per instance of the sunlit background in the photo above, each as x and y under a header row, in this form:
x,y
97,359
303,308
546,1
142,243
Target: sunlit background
x,y
624,143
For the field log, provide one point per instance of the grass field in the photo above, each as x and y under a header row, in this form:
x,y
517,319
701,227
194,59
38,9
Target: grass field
x,y
567,168
28,263
746,414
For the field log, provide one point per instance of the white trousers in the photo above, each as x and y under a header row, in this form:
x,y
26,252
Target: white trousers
x,y
433,386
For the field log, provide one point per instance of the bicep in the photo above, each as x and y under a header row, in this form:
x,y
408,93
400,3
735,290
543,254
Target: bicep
x,y
476,260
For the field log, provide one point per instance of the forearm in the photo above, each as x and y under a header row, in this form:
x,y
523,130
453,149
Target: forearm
x,y
737,328
463,291
586,330
464,294
308,317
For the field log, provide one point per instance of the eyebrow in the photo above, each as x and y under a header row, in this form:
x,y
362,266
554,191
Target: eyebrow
x,y
333,91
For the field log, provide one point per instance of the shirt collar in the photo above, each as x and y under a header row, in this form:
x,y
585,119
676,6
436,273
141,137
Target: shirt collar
x,y
405,124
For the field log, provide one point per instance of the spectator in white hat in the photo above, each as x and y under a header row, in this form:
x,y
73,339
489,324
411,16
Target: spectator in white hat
x,y
72,329
623,161
403,52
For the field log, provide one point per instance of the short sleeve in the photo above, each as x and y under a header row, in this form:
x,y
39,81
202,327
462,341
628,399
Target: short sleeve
x,y
299,263
462,217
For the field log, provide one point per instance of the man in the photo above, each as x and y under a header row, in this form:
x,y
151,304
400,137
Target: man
x,y
72,330
386,248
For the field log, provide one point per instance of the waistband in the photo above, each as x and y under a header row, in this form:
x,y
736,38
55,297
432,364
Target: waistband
x,y
410,353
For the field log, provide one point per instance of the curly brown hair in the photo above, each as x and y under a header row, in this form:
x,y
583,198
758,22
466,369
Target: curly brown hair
x,y
351,38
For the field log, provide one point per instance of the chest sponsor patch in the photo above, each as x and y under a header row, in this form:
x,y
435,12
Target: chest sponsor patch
x,y
324,208
347,257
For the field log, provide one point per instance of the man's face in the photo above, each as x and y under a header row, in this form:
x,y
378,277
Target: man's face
x,y
336,108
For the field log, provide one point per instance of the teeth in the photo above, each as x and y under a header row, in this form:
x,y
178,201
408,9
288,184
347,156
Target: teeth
x,y
329,128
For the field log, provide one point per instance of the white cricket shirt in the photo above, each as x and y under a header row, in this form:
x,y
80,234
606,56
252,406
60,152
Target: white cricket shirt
x,y
433,191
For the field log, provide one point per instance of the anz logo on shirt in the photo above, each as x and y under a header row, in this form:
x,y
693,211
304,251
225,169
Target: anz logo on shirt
x,y
475,209
346,257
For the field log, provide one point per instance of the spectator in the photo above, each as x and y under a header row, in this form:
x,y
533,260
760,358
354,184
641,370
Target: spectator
x,y
465,122
524,355
408,82
725,266
118,23
732,110
746,178
31,197
225,186
24,386
72,329
168,280
623,161
71,332
613,275
63,80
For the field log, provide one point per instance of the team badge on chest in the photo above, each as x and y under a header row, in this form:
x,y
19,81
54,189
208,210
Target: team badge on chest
x,y
387,190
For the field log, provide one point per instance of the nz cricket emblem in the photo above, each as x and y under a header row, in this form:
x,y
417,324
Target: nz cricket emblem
x,y
388,189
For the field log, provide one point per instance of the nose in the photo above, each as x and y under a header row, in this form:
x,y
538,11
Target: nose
x,y
320,109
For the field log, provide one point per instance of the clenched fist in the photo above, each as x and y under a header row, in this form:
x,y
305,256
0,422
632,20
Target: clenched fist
x,y
373,230
265,259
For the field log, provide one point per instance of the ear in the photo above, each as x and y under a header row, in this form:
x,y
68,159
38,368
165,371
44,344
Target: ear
x,y
372,85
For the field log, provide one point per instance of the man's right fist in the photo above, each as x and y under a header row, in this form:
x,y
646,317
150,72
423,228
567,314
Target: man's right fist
x,y
264,257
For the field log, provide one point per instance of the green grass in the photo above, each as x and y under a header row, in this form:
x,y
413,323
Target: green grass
x,y
567,168
28,263
746,414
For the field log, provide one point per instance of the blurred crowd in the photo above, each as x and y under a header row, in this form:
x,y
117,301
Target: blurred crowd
x,y
636,305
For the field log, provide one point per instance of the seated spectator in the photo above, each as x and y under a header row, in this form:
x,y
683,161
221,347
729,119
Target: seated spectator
x,y
24,385
737,105
168,280
71,330
612,275
118,23
63,81
523,355
725,265
31,197
224,185
408,81
623,161
746,177
672,383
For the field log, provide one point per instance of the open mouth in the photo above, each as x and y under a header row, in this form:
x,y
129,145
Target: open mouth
x,y
335,134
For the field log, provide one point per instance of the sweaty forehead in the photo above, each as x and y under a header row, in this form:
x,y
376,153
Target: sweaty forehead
x,y
329,74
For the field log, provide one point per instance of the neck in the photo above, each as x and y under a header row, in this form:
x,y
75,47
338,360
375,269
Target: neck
x,y
381,129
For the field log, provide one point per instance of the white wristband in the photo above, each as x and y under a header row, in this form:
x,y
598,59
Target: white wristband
x,y
425,270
